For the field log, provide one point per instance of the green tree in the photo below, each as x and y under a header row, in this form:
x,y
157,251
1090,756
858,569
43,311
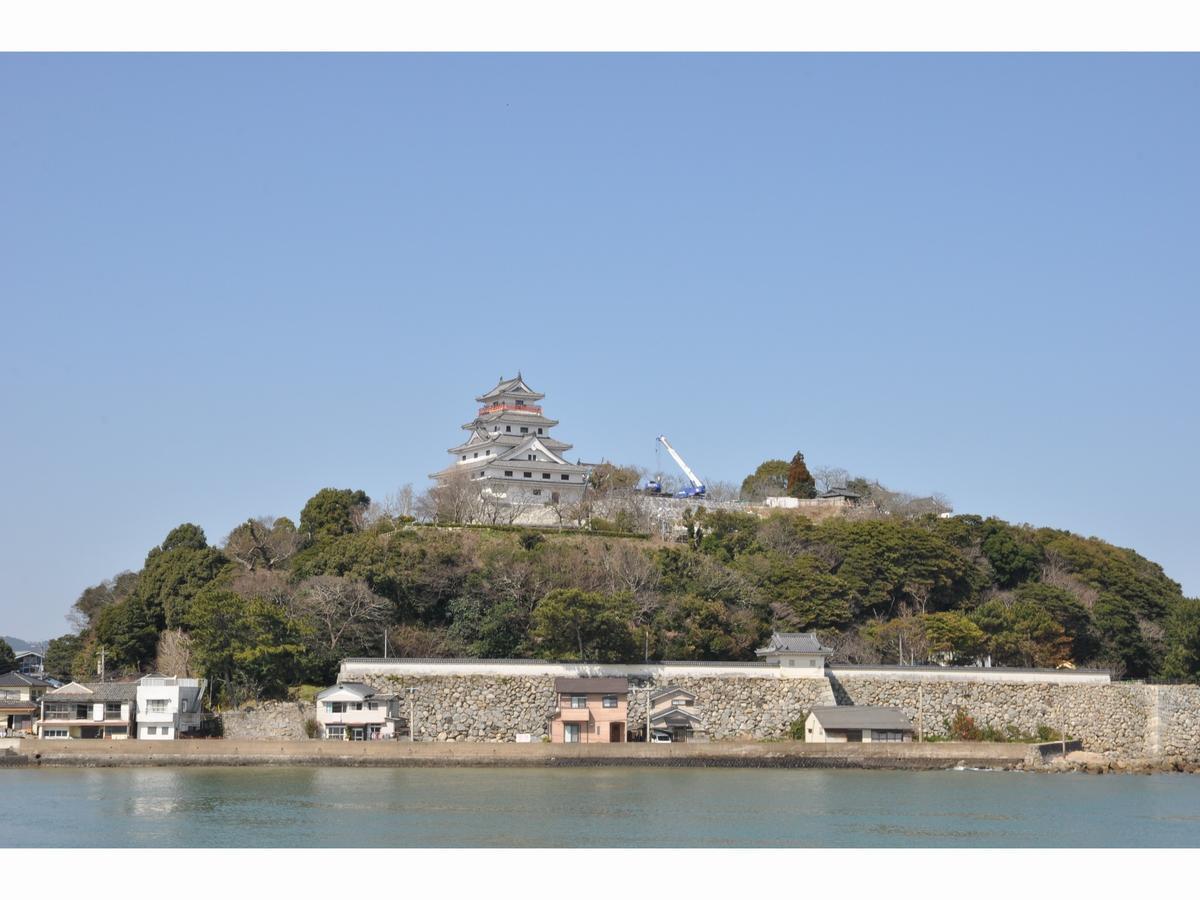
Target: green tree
x,y
1014,556
93,599
803,592
584,625
955,634
332,512
1121,637
128,633
1022,634
61,653
8,659
248,648
1182,636
175,572
800,482
691,627
1068,612
770,479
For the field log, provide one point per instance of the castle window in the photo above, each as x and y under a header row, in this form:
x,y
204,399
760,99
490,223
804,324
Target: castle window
x,y
487,452
539,431
545,474
537,492
508,473
520,403
565,477
524,430
476,454
508,428
464,456
527,474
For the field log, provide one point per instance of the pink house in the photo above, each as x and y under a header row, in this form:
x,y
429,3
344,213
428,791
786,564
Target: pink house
x,y
590,711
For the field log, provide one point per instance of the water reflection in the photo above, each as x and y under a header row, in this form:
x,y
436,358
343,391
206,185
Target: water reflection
x,y
300,807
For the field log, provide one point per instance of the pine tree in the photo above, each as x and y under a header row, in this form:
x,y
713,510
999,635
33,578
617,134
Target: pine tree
x,y
800,482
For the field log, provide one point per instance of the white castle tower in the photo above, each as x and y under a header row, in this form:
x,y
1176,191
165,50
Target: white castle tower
x,y
511,455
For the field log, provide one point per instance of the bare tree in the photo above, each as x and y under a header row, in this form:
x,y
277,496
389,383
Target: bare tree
x,y
454,499
174,656
264,542
830,477
724,491
343,609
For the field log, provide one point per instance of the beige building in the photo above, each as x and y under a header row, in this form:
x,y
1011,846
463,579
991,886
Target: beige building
x,y
106,710
590,711
856,724
20,698
674,716
798,651
352,711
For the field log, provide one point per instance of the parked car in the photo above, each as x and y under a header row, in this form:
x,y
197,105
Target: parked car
x,y
660,737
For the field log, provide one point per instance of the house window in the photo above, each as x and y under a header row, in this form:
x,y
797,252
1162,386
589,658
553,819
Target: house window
x,y
151,729
112,710
679,701
372,705
571,733
335,732
156,706
508,473
357,707
527,474
565,477
183,705
335,707
610,701
54,733
579,701
531,456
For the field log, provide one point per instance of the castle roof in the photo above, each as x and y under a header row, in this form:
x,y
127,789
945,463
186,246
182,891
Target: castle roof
x,y
510,386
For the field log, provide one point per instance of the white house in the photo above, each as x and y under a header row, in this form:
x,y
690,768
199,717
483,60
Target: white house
x,y
351,711
796,650
168,707
30,662
105,710
866,724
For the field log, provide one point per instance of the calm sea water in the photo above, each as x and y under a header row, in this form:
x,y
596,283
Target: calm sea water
x,y
626,807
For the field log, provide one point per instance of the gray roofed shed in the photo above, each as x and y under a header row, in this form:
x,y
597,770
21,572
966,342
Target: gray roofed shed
x,y
853,718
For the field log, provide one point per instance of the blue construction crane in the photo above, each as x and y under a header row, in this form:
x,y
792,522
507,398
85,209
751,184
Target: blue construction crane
x,y
695,486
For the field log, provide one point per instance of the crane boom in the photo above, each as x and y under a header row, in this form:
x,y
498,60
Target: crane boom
x,y
697,484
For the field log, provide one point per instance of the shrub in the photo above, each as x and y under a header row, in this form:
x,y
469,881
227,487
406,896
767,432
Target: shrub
x,y
304,693
1045,734
311,728
963,728
796,730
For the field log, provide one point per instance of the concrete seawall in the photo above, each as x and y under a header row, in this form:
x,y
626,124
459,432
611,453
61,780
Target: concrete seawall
x,y
740,754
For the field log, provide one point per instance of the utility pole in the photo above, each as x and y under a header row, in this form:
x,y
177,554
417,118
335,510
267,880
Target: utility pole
x,y
385,646
647,714
412,716
100,664
920,713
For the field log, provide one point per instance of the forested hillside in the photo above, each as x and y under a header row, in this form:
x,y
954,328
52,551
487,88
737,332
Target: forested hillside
x,y
278,604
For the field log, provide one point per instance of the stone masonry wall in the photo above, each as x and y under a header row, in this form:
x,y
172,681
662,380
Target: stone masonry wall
x,y
270,720
1178,720
1117,719
498,708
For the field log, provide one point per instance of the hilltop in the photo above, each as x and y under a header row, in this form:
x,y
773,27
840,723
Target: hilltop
x,y
277,604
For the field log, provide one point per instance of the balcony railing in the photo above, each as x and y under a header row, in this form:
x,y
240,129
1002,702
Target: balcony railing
x,y
508,407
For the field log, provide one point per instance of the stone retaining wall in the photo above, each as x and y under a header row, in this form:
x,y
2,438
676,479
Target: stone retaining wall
x,y
267,721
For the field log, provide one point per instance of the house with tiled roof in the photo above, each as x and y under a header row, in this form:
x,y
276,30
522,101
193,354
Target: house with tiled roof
x,y
102,710
20,701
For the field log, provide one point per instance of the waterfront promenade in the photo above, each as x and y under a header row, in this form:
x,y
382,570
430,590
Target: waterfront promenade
x,y
735,754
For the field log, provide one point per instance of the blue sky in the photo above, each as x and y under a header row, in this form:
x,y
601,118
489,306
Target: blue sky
x,y
231,280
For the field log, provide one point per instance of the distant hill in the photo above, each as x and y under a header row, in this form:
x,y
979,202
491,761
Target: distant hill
x,y
18,645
